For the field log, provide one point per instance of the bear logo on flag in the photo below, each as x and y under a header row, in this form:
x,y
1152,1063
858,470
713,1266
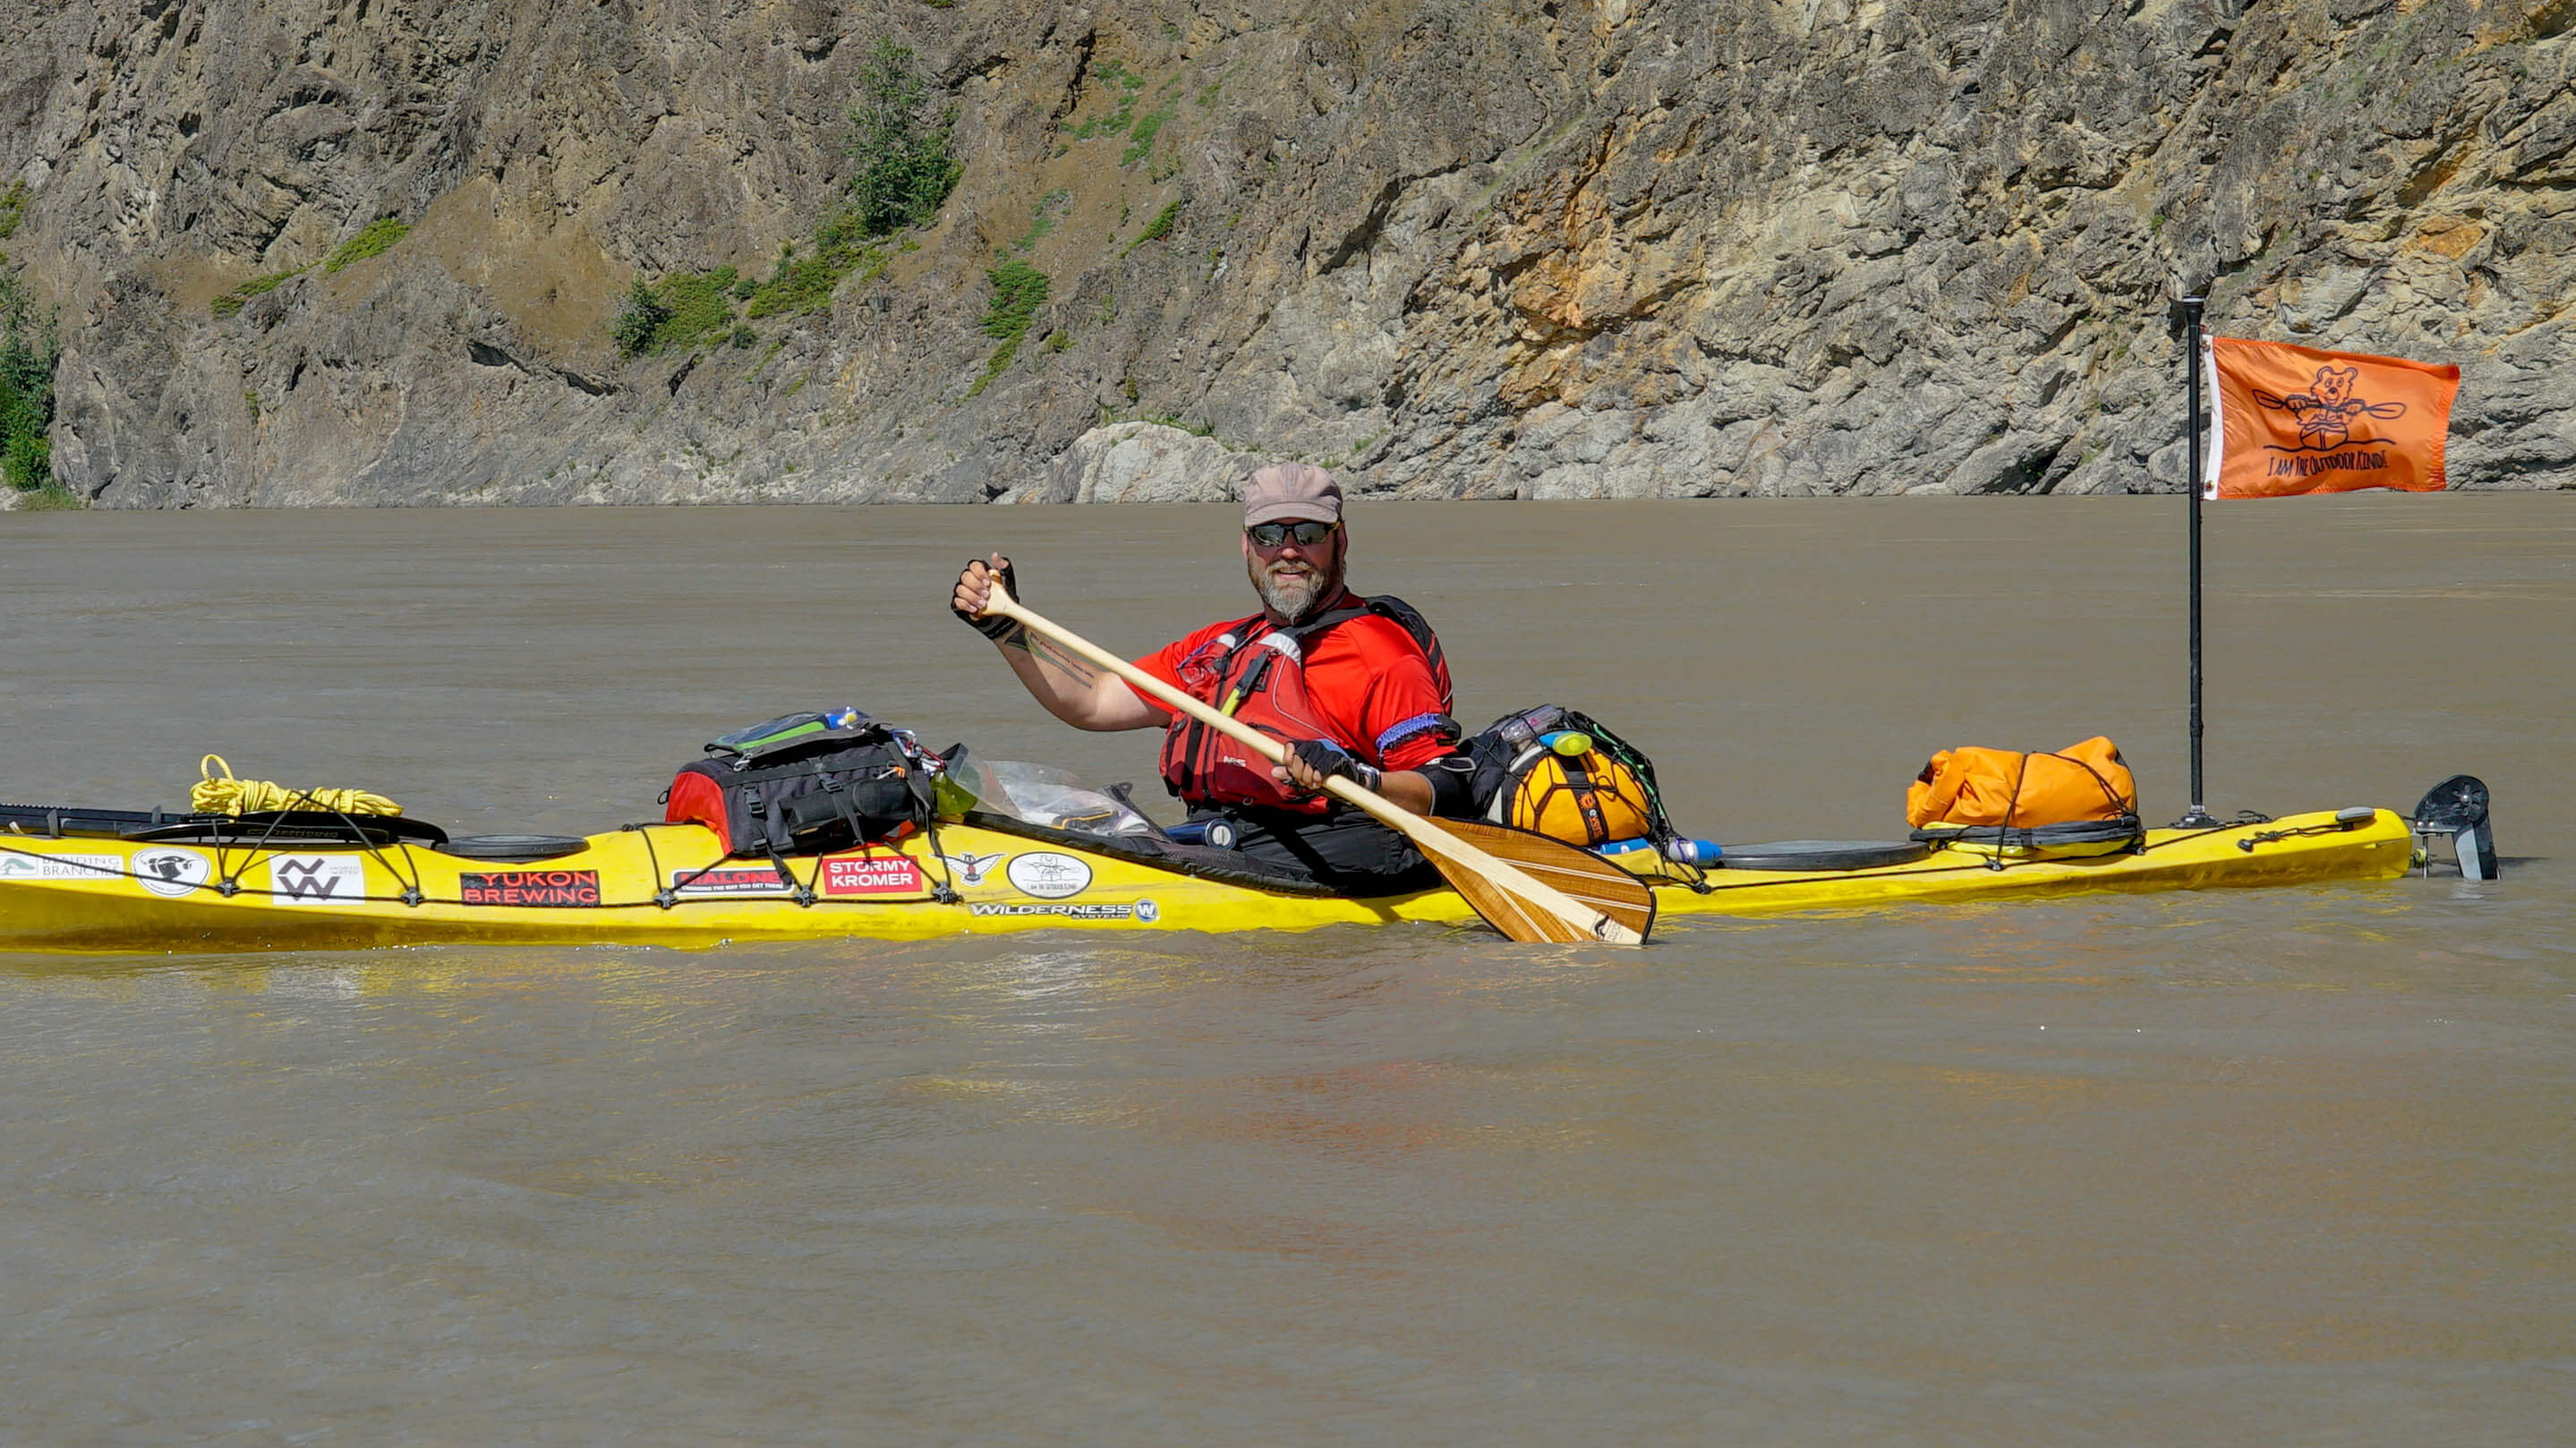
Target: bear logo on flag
x,y
2325,412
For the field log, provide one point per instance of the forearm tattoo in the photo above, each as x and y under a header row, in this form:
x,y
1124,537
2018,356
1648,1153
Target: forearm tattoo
x,y
1055,657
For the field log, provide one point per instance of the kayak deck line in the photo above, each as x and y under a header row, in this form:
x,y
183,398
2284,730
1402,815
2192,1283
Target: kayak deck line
x,y
669,884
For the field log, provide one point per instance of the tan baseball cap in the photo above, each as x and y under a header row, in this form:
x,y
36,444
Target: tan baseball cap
x,y
1286,491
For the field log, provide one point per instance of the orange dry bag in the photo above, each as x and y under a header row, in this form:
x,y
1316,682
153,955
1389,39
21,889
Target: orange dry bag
x,y
1971,786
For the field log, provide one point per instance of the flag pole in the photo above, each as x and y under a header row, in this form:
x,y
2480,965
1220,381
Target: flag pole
x,y
2197,817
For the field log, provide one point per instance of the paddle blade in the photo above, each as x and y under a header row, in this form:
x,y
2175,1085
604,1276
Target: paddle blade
x,y
1589,880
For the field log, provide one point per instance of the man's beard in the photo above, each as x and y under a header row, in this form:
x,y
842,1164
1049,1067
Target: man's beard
x,y
1293,596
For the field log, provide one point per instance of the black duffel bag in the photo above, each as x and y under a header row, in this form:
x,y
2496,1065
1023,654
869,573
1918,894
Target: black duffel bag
x,y
808,784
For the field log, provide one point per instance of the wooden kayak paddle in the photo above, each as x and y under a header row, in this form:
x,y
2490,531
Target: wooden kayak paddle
x,y
1529,886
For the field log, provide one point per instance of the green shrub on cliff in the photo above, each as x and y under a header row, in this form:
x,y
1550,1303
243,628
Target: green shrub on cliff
x,y
1043,218
1140,137
684,309
638,321
805,284
231,302
1019,289
377,239
905,170
27,462
1160,226
29,348
1116,80
699,304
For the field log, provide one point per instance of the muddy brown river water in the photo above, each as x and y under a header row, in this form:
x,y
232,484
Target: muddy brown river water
x,y
2290,1166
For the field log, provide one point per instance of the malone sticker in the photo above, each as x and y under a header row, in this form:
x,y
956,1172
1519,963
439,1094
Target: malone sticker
x,y
1048,875
316,879
731,880
542,888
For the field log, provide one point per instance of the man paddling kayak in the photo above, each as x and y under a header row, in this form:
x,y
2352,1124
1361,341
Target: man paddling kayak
x,y
1356,686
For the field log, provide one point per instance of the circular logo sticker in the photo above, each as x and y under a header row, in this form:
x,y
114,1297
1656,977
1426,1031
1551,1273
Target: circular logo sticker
x,y
169,870
1147,912
1048,875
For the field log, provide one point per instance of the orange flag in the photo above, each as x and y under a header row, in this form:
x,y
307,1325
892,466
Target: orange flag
x,y
2295,420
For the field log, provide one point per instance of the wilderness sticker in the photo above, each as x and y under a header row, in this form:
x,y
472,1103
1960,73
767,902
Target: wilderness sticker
x,y
541,888
1063,909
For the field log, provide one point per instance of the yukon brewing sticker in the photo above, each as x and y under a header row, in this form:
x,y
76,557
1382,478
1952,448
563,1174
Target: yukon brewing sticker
x,y
529,887
316,879
169,870
1048,875
872,875
59,867
731,880
1062,909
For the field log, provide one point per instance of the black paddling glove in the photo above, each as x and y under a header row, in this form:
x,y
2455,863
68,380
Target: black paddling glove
x,y
993,626
1327,758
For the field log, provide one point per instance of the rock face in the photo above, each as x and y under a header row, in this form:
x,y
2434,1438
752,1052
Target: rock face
x,y
1140,462
1517,249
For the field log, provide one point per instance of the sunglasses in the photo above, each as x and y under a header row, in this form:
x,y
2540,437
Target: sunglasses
x,y
1279,535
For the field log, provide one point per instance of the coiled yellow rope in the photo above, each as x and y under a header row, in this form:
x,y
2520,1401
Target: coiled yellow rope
x,y
257,796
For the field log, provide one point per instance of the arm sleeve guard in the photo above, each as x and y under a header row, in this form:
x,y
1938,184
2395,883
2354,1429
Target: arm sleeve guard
x,y
1452,779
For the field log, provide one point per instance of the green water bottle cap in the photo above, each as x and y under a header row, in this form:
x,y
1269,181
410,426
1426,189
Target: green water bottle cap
x,y
1572,743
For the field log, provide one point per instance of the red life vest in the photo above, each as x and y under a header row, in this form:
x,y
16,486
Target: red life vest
x,y
1256,672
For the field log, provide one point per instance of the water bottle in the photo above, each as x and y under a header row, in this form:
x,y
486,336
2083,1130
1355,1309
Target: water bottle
x,y
1683,852
1703,853
1216,832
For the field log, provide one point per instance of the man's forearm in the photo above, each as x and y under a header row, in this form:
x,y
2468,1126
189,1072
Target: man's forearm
x,y
1073,690
1407,789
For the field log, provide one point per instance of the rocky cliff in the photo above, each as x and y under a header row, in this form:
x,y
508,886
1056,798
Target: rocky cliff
x,y
1533,248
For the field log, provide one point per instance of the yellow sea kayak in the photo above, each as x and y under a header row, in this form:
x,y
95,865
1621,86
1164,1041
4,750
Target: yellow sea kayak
x,y
69,884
